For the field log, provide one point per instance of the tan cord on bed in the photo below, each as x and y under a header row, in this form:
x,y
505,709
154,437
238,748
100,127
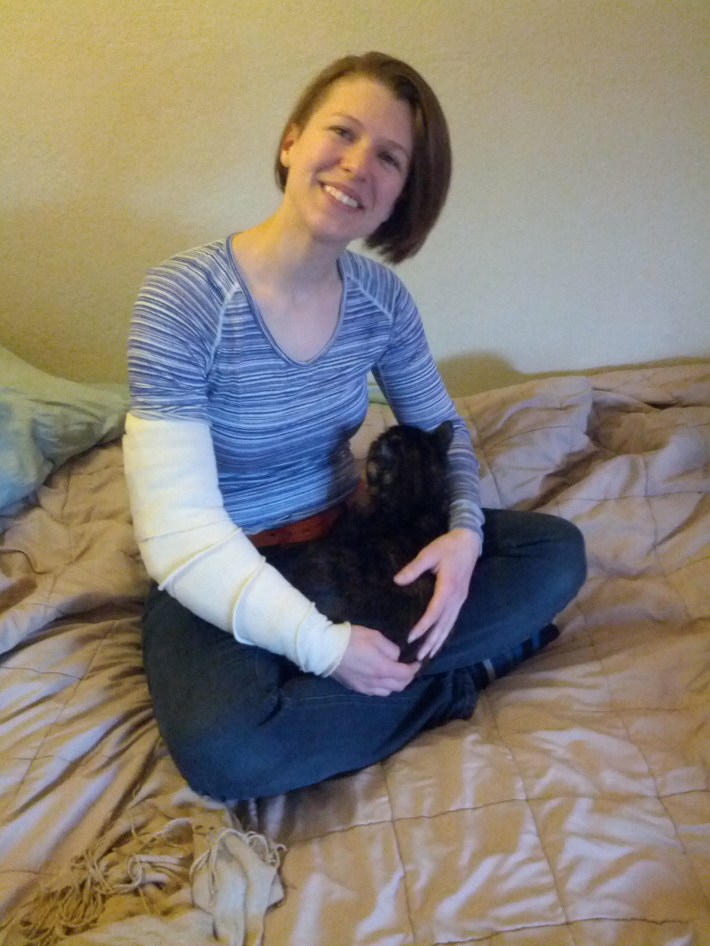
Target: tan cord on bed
x,y
230,874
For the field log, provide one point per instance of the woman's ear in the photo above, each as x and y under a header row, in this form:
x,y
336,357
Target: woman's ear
x,y
288,141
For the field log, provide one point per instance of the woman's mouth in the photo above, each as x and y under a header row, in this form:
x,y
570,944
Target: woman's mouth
x,y
347,199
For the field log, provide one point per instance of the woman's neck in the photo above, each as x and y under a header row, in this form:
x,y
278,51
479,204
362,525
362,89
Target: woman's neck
x,y
288,259
296,286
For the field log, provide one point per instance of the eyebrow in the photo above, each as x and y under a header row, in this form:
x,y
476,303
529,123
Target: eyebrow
x,y
390,142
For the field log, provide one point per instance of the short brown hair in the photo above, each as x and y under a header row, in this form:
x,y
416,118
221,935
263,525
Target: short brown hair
x,y
427,184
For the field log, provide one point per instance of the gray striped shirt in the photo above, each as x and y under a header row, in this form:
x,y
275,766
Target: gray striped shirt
x,y
199,350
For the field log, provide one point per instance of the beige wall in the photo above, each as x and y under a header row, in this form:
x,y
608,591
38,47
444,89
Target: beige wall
x,y
576,234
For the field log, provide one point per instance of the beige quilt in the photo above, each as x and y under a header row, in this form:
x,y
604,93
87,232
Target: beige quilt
x,y
573,809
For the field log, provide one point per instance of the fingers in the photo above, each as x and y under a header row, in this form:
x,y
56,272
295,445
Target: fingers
x,y
386,647
393,675
435,625
433,612
434,638
424,562
379,684
392,684
452,558
371,666
440,603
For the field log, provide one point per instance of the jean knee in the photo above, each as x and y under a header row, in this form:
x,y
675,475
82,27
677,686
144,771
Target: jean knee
x,y
577,556
234,764
570,557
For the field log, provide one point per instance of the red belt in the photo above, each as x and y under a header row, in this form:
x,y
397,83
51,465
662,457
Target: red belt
x,y
305,530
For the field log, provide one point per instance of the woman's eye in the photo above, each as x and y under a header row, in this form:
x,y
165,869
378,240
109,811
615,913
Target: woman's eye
x,y
390,159
342,132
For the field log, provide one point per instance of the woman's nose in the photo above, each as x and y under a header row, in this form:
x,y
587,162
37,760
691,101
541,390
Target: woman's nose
x,y
357,158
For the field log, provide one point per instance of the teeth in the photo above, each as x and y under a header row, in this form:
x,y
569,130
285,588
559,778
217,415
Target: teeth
x,y
340,196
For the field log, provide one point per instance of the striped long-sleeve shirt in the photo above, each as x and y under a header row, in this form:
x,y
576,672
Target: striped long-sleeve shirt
x,y
200,350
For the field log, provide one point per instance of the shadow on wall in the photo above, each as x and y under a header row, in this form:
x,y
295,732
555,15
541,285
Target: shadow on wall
x,y
478,371
485,371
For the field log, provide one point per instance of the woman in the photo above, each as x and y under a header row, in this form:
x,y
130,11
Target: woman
x,y
248,365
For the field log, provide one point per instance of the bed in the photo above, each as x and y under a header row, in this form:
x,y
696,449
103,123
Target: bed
x,y
573,808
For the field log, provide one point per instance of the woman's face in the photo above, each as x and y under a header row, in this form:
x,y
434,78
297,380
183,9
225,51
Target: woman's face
x,y
349,163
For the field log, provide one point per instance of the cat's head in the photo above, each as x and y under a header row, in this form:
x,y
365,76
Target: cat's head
x,y
407,469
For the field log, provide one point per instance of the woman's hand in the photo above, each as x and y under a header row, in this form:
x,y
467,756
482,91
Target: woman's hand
x,y
370,664
452,558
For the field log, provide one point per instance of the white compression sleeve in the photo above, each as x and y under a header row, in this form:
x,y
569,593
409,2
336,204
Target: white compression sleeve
x,y
194,551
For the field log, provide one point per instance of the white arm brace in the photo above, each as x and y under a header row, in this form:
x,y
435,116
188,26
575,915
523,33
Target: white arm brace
x,y
194,551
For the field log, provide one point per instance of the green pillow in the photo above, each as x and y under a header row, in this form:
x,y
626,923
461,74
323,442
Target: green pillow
x,y
45,420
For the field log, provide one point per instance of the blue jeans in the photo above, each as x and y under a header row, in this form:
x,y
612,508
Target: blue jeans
x,y
241,722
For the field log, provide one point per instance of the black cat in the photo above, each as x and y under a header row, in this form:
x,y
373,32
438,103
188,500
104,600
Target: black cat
x,y
349,574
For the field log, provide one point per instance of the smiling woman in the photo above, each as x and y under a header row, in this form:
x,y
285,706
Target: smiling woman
x,y
347,166
249,361
429,171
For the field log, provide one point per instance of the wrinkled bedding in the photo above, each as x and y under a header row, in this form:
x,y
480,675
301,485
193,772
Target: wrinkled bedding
x,y
573,808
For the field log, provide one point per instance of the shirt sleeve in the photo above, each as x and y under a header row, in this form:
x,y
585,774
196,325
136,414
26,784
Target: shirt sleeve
x,y
174,332
412,384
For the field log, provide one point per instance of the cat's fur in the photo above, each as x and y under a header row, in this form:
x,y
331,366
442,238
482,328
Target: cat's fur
x,y
349,574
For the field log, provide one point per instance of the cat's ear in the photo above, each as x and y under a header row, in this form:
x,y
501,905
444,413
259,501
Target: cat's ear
x,y
387,456
444,434
380,454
